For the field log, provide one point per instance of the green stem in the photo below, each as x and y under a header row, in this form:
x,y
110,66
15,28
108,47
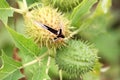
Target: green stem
x,y
81,78
60,74
25,4
34,61
18,10
48,64
73,33
82,27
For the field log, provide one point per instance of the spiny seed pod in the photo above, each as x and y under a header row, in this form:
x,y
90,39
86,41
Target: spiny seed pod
x,y
54,72
49,17
77,58
63,5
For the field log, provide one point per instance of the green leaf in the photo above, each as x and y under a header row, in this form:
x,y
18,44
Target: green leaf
x,y
4,4
108,46
10,68
81,11
40,73
38,70
41,70
93,75
26,45
30,49
103,7
98,21
5,11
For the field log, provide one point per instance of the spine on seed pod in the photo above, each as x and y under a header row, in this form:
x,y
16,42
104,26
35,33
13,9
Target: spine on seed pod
x,y
62,5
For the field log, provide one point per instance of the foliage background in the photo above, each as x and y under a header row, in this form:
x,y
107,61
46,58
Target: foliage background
x,y
106,38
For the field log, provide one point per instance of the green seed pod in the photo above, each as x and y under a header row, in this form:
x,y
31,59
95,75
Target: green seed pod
x,y
63,5
77,58
54,72
50,17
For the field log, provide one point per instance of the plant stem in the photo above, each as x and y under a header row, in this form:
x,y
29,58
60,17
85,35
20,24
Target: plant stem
x,y
60,74
34,61
48,63
25,4
77,31
81,78
73,33
18,10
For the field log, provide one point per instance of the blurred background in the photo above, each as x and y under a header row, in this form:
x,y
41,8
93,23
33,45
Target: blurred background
x,y
106,39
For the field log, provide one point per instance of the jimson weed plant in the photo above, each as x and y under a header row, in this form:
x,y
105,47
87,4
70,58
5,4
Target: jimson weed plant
x,y
50,47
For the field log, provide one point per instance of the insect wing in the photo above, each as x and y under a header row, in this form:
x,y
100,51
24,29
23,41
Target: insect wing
x,y
58,33
46,27
52,30
40,24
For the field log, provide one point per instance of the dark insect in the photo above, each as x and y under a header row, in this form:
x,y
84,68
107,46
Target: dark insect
x,y
56,32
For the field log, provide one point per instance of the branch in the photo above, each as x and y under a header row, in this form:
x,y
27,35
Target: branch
x,y
72,34
48,65
60,74
83,27
17,10
25,4
34,61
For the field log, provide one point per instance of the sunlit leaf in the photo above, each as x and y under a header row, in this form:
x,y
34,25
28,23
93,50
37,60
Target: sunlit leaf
x,y
10,68
38,71
103,7
108,46
26,45
98,21
95,74
5,11
81,11
4,4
